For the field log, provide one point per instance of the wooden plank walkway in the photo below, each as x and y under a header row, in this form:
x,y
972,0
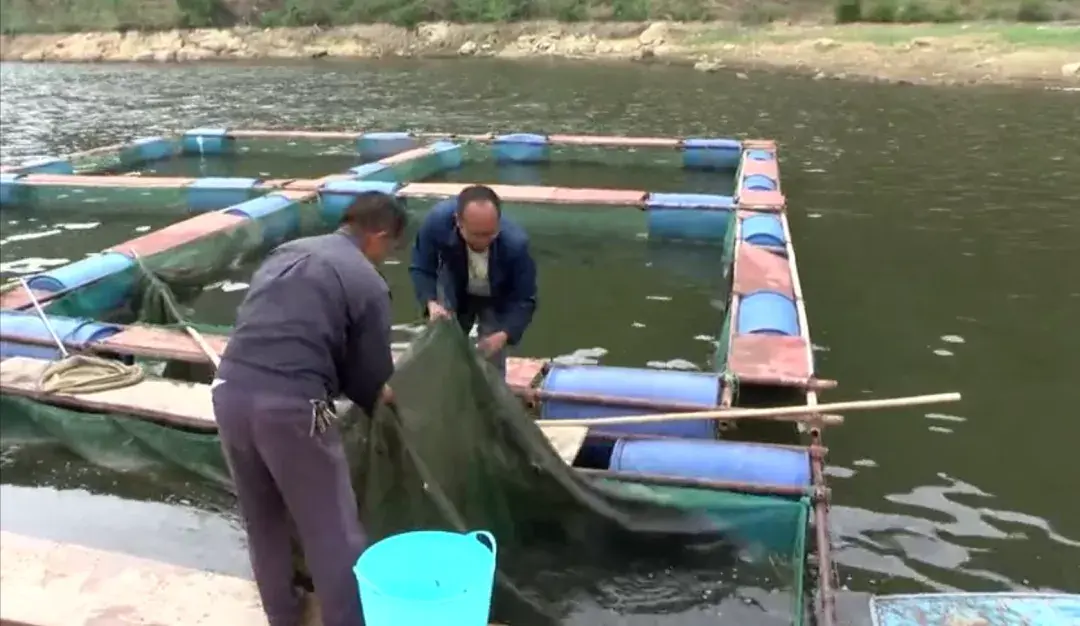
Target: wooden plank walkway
x,y
47,583
159,342
180,404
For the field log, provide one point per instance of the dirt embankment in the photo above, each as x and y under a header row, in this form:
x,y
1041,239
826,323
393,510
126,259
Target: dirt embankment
x,y
952,53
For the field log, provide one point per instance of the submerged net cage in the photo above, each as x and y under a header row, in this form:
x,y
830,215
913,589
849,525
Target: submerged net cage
x,y
464,455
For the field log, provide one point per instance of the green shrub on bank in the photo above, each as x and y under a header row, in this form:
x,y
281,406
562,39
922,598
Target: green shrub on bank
x,y
947,11
23,16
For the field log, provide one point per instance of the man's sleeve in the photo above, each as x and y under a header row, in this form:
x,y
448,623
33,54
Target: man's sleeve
x,y
522,301
369,358
424,266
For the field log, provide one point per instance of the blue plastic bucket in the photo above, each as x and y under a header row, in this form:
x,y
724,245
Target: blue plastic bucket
x,y
428,577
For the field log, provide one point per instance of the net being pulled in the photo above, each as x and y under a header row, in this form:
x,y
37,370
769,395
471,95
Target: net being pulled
x,y
459,452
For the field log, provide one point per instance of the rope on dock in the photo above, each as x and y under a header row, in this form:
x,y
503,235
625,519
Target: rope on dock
x,y
81,373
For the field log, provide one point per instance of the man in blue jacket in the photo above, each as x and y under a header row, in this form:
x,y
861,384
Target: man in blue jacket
x,y
471,262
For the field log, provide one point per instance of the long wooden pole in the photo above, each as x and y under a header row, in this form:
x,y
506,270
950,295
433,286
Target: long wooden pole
x,y
776,412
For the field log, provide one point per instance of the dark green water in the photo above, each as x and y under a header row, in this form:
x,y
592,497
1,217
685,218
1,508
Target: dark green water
x,y
936,231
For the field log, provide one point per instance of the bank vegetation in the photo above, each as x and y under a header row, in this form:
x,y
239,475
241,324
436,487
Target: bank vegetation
x,y
65,16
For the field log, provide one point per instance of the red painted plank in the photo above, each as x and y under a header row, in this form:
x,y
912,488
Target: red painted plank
x,y
757,269
179,234
760,359
762,200
167,343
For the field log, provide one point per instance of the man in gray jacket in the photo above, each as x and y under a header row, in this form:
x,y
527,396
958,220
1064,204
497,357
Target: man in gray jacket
x,y
315,324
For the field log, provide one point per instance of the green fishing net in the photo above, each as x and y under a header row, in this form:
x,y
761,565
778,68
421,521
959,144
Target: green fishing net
x,y
463,454
460,452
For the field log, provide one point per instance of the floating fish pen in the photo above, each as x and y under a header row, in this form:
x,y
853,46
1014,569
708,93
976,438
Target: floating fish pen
x,y
763,477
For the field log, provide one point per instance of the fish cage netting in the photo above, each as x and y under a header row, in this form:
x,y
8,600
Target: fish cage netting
x,y
188,266
464,455
138,198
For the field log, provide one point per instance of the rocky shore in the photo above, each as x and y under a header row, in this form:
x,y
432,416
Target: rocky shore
x,y
960,54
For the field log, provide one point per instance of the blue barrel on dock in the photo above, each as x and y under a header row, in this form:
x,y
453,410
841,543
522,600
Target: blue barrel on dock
x,y
764,230
758,154
212,193
79,273
374,172
758,182
374,146
10,349
207,142
711,153
450,155
521,148
689,216
767,312
713,460
278,216
661,386
72,331
428,577
146,150
336,196
12,192
50,165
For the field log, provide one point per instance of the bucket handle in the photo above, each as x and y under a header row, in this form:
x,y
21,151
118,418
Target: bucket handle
x,y
487,539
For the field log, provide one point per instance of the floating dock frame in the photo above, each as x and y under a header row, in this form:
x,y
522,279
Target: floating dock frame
x,y
762,341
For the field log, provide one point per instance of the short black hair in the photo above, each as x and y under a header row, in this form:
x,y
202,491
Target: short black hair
x,y
374,211
478,193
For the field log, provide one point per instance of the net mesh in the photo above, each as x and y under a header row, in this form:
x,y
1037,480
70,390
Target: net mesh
x,y
188,268
102,200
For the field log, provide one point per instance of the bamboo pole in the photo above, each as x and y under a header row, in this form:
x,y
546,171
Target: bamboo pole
x,y
195,335
778,413
699,483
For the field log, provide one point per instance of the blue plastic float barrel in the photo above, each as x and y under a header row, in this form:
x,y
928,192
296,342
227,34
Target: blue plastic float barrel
x,y
12,192
521,148
207,142
374,172
373,146
767,312
73,331
713,460
10,349
691,216
428,577
764,230
336,196
711,153
278,216
146,150
211,194
758,154
81,272
450,155
662,386
47,166
758,182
